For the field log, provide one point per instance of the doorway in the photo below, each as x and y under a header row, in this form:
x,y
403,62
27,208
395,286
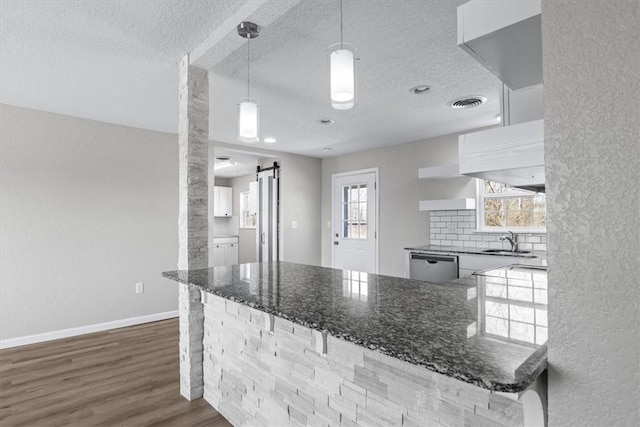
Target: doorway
x,y
354,239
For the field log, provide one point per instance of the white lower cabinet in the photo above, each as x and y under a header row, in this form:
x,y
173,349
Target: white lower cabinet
x,y
468,264
225,251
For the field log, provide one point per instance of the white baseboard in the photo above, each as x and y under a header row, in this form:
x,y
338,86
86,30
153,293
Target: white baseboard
x,y
98,327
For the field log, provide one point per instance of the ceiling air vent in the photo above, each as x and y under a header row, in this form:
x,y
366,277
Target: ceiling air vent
x,y
467,102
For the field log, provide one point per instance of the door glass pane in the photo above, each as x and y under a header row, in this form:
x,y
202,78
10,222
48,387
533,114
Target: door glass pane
x,y
354,211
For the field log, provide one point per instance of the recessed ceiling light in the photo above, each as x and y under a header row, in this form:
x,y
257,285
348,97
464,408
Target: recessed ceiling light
x,y
326,149
223,165
420,89
467,102
269,140
326,121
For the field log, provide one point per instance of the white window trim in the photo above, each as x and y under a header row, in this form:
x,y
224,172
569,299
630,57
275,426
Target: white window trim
x,y
242,224
480,228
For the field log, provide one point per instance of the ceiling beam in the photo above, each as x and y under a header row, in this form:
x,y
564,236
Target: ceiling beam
x,y
224,39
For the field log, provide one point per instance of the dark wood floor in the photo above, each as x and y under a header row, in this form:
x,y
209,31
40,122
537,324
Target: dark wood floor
x,y
123,377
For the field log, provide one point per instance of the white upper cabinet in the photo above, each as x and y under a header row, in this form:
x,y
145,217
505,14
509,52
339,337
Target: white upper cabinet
x,y
222,201
505,37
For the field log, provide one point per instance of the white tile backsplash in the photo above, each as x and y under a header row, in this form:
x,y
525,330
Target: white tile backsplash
x,y
457,228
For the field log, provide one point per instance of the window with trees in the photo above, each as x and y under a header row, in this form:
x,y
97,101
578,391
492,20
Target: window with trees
x,y
247,218
501,207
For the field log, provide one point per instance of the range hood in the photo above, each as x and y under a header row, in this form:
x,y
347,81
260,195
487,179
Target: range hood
x,y
512,155
504,36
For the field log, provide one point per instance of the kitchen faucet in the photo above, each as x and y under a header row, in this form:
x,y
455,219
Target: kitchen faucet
x,y
513,240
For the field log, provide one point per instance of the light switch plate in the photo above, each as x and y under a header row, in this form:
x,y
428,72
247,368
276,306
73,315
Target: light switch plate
x,y
294,224
139,287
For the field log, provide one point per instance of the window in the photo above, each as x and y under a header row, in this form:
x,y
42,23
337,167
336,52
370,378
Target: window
x,y
515,306
354,211
502,208
355,285
247,218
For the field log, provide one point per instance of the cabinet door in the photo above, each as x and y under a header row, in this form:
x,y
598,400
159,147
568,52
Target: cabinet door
x,y
231,254
218,255
225,195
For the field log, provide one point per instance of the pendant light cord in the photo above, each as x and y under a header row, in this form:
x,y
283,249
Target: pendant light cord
x,y
341,28
248,64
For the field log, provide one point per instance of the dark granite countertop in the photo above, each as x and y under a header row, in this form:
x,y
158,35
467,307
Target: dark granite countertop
x,y
468,330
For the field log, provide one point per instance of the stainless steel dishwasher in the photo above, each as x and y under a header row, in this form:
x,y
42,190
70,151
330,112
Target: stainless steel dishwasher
x,y
436,268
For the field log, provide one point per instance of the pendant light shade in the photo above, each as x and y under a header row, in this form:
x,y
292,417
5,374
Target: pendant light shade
x,y
343,77
248,108
342,68
248,119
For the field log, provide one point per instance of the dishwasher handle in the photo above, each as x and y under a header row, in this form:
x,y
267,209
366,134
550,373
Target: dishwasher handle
x,y
432,259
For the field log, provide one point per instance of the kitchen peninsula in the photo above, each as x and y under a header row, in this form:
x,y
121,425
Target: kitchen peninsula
x,y
297,344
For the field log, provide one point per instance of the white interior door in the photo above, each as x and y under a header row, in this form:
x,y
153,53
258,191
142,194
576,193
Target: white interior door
x,y
268,215
354,239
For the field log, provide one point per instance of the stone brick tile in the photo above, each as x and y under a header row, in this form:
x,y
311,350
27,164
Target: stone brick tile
x,y
369,380
291,342
463,394
366,418
450,414
343,406
295,415
283,325
402,394
474,420
409,421
353,393
232,412
304,399
385,409
347,422
234,380
344,353
502,410
323,409
329,381
316,359
317,420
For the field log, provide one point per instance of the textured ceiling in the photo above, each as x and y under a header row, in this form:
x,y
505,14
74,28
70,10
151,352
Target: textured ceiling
x,y
115,61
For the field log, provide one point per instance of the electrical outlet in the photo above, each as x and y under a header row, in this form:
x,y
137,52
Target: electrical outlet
x,y
294,224
452,227
139,287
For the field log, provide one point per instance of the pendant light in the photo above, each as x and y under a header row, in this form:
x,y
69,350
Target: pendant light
x,y
343,74
249,109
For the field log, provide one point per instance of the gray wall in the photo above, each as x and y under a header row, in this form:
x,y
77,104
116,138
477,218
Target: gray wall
x,y
591,60
401,224
300,201
88,209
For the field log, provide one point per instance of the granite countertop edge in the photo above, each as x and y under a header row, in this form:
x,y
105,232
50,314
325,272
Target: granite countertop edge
x,y
537,359
475,251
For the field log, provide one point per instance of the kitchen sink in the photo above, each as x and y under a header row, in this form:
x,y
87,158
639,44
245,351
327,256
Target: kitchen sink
x,y
503,251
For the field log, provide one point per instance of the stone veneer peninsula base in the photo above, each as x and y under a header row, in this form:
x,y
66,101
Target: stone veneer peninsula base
x,y
275,344
264,370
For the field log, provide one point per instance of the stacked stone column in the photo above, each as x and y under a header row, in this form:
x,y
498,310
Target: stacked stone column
x,y
193,143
